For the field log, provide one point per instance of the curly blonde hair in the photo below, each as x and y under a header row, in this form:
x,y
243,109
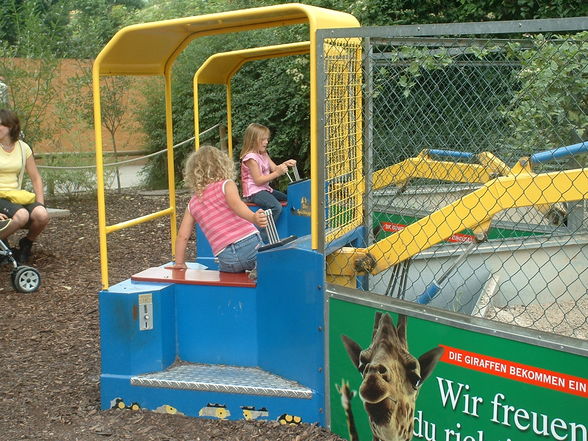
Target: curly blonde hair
x,y
205,166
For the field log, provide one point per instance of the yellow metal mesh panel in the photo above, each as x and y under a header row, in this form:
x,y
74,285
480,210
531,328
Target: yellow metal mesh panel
x,y
343,137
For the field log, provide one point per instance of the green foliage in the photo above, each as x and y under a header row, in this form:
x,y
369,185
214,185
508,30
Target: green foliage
x,y
41,32
32,28
437,98
512,99
271,92
156,10
92,23
63,28
72,173
397,12
30,88
275,93
30,93
549,109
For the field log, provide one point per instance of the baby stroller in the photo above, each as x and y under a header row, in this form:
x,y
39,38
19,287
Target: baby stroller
x,y
24,278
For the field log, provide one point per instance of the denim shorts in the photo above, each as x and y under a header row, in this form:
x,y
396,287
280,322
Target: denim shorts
x,y
239,256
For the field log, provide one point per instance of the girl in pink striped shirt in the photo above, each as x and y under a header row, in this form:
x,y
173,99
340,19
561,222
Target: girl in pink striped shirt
x,y
216,206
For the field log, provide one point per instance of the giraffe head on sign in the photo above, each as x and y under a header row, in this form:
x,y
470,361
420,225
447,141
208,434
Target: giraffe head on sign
x,y
391,377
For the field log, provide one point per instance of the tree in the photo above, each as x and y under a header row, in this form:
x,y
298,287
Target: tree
x,y
66,28
34,36
30,80
398,12
272,92
77,105
549,109
26,21
92,23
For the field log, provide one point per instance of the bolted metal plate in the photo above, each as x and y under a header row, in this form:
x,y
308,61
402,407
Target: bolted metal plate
x,y
225,379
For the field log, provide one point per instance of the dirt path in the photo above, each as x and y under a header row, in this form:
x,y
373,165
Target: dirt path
x,y
49,340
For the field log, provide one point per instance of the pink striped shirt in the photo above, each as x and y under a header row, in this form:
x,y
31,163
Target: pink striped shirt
x,y
247,182
219,223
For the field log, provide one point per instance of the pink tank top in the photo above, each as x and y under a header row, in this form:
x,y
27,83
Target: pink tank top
x,y
247,182
219,223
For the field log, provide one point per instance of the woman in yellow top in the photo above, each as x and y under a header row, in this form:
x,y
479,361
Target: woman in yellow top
x,y
32,216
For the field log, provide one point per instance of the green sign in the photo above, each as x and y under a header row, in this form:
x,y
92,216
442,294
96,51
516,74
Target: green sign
x,y
480,388
385,224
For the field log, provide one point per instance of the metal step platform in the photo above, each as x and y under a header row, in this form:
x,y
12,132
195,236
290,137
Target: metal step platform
x,y
224,379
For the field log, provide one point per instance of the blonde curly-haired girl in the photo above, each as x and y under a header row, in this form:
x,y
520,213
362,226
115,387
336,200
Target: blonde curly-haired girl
x,y
216,206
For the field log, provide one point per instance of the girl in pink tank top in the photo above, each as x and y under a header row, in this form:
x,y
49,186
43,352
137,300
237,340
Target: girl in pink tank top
x,y
258,170
216,206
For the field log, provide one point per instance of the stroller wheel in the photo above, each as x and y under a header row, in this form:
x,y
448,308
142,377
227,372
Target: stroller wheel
x,y
25,279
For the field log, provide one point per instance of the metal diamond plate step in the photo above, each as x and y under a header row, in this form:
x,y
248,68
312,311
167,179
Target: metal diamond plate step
x,y
225,379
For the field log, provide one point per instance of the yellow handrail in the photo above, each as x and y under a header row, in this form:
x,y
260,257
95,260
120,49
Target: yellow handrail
x,y
138,220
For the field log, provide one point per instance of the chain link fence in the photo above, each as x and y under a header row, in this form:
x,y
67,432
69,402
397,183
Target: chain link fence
x,y
467,185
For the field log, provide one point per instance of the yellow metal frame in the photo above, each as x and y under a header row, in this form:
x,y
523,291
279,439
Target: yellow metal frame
x,y
151,49
422,166
473,211
220,69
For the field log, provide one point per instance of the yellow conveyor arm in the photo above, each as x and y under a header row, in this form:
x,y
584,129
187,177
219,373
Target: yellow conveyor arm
x,y
473,211
424,167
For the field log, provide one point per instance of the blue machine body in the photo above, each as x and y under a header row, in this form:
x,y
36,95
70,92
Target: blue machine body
x,y
153,327
126,350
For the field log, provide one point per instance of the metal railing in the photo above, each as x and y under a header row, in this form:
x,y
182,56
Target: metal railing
x,y
473,178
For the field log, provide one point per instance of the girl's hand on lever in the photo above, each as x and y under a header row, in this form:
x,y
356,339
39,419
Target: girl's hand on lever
x,y
260,218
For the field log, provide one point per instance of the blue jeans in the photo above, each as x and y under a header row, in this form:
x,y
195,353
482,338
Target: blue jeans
x,y
269,201
239,256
